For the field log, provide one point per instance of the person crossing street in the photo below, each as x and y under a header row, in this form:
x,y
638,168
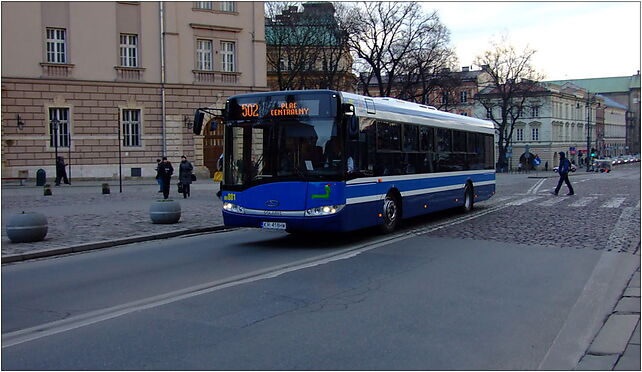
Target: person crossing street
x,y
563,170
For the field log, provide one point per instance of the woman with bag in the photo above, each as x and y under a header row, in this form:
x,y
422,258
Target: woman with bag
x,y
185,175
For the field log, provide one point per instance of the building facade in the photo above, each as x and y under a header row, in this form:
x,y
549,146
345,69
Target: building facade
x,y
307,49
554,119
624,90
103,83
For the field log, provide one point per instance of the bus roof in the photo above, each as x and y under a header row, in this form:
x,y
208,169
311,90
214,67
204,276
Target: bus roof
x,y
397,110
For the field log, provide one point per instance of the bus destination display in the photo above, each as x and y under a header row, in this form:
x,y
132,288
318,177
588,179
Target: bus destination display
x,y
270,107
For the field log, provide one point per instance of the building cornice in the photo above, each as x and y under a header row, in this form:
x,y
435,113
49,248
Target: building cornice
x,y
215,27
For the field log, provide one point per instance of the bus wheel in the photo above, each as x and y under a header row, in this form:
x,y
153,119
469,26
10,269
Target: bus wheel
x,y
390,214
469,199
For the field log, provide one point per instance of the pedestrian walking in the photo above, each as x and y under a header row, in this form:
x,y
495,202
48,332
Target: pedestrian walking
x,y
165,171
61,172
185,175
563,169
158,179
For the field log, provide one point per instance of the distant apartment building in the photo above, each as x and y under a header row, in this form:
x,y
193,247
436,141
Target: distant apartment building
x,y
624,90
554,119
109,82
306,49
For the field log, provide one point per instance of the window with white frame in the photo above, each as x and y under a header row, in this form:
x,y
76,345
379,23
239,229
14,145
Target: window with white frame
x,y
284,64
56,45
131,127
228,63
59,127
535,134
489,113
207,5
128,50
463,96
204,55
519,134
228,6
535,111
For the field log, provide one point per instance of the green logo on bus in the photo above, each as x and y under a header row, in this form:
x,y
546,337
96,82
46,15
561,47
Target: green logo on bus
x,y
323,196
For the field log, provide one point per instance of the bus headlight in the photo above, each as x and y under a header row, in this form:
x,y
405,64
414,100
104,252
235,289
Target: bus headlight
x,y
325,210
233,208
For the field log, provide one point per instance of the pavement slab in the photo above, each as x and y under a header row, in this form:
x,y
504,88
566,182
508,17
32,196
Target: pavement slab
x,y
632,292
630,361
614,335
597,363
635,281
628,305
635,339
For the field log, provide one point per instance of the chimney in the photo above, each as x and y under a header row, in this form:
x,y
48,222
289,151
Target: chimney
x,y
465,69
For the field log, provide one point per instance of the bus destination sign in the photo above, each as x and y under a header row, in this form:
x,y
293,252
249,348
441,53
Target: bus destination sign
x,y
268,107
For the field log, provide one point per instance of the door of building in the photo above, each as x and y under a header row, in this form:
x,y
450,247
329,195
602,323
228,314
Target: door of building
x,y
212,146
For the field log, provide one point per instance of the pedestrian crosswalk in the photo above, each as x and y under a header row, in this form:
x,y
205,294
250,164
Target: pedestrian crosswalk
x,y
547,200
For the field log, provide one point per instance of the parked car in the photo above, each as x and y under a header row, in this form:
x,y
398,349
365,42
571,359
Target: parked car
x,y
602,165
573,168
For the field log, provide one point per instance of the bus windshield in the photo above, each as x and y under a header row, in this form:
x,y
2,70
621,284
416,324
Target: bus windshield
x,y
301,144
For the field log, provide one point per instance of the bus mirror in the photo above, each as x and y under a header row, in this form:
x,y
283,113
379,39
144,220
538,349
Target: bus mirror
x,y
198,121
348,109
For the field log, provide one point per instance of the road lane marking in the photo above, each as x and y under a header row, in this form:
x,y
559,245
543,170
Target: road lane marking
x,y
82,320
583,202
614,203
552,201
524,200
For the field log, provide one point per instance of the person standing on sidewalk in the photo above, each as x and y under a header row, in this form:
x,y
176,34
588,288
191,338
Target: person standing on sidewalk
x,y
185,175
158,179
563,169
61,172
165,171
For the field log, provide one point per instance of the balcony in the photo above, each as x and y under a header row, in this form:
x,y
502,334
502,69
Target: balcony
x,y
216,77
129,73
56,70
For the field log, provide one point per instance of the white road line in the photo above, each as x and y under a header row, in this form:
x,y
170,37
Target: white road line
x,y
583,202
536,186
524,200
552,201
82,320
614,203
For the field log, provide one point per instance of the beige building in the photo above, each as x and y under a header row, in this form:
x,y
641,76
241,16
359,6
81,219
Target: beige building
x,y
93,80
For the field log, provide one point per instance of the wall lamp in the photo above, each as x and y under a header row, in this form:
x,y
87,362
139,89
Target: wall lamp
x,y
19,123
188,121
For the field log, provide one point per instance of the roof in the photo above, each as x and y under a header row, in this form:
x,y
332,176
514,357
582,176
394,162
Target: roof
x,y
604,85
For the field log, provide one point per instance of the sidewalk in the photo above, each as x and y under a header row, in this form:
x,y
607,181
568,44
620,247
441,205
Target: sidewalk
x,y
80,217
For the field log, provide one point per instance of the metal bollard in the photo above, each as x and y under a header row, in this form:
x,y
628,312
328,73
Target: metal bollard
x,y
105,188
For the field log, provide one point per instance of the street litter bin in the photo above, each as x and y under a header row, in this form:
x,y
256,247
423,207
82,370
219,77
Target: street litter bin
x,y
41,177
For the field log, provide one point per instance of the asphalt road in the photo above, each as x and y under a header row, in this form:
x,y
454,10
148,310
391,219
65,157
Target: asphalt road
x,y
428,297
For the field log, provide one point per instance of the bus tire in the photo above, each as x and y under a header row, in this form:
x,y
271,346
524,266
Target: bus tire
x,y
390,213
469,199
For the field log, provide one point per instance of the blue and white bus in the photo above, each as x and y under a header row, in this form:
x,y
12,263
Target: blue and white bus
x,y
323,160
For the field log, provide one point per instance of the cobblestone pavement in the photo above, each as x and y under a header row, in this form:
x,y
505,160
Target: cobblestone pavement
x,y
81,214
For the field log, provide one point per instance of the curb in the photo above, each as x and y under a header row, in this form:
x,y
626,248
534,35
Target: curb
x,y
107,243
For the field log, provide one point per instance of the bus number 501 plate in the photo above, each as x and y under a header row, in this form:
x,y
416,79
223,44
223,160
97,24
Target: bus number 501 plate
x,y
273,225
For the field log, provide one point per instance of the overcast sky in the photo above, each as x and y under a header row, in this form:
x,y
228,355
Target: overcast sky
x,y
574,40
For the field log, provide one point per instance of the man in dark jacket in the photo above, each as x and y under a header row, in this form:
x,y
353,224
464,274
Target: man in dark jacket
x,y
563,169
165,171
61,171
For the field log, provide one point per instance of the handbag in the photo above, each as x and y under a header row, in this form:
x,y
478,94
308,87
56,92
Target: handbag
x,y
193,177
180,188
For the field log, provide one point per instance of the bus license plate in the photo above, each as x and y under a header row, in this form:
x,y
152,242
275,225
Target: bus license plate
x,y
273,225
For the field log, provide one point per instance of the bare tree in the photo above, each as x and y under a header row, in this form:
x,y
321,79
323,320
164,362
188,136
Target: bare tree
x,y
513,80
395,44
305,49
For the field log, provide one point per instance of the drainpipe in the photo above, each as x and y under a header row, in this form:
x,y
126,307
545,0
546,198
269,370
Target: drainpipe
x,y
162,65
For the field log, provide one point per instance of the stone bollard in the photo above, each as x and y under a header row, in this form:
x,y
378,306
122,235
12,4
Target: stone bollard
x,y
105,188
27,227
47,190
165,211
